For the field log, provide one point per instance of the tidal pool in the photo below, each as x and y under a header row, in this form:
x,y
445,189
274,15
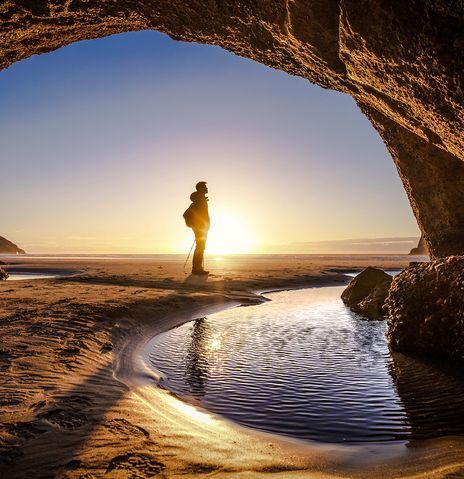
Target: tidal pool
x,y
21,276
305,366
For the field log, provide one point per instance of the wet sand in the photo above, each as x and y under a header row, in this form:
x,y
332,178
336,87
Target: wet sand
x,y
77,402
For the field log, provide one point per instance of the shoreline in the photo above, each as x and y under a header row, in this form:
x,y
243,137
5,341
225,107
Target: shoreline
x,y
56,272
350,458
66,350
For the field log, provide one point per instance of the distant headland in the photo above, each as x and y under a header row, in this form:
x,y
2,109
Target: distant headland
x,y
7,247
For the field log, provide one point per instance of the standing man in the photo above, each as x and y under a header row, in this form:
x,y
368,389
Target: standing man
x,y
197,218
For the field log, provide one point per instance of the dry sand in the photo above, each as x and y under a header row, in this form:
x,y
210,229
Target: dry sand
x,y
77,402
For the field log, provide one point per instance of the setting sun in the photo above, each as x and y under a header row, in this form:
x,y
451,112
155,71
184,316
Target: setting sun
x,y
229,234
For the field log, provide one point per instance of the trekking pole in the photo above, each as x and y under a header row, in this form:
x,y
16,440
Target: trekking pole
x,y
190,252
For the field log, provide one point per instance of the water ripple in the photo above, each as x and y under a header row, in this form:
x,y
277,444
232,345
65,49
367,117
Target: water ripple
x,y
303,365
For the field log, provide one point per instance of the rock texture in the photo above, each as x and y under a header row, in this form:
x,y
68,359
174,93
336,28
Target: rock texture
x,y
3,274
401,61
421,248
367,292
426,309
7,247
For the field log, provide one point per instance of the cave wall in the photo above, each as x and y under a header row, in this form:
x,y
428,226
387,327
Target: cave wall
x,y
401,61
434,182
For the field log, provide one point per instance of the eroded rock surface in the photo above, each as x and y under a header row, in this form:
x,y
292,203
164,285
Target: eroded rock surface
x,y
401,61
7,247
421,248
367,292
426,309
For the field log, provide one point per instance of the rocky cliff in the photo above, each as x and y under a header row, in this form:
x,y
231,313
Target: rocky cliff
x,y
421,248
401,61
7,247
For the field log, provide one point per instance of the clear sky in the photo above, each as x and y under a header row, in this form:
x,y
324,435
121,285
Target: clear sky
x,y
101,143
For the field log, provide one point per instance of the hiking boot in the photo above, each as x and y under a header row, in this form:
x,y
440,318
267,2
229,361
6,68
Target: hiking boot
x,y
200,272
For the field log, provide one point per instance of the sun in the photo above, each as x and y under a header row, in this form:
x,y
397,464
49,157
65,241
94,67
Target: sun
x,y
229,234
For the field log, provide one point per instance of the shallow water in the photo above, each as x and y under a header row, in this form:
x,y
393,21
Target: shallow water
x,y
20,276
305,366
354,273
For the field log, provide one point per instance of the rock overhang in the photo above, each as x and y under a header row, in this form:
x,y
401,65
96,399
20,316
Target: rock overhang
x,y
401,62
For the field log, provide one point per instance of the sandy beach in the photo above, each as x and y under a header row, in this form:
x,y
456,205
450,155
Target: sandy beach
x,y
76,400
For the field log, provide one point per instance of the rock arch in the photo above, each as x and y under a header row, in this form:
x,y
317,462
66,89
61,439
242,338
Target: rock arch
x,y
401,61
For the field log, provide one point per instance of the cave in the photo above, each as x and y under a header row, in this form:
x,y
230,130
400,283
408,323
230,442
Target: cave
x,y
402,62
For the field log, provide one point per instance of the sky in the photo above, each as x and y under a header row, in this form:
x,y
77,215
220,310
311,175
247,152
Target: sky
x,y
102,142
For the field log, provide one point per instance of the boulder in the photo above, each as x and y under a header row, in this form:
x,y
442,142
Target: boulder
x,y
3,274
426,309
367,292
372,306
7,247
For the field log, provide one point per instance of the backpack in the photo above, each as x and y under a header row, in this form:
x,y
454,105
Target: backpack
x,y
189,216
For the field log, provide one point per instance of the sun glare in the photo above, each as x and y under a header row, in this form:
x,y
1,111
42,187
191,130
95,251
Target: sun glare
x,y
229,234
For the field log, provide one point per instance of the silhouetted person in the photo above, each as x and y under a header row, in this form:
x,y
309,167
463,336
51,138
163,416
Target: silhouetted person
x,y
197,218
